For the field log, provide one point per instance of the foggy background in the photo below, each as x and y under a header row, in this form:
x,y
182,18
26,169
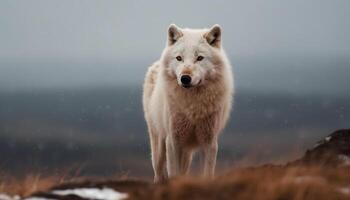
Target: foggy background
x,y
71,75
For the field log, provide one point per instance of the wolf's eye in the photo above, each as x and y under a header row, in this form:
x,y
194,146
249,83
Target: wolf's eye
x,y
178,58
199,58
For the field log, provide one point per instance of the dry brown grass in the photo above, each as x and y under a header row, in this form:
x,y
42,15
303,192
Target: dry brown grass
x,y
263,183
27,185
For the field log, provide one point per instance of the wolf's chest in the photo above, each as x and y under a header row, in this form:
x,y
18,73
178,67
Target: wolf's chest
x,y
193,133
196,108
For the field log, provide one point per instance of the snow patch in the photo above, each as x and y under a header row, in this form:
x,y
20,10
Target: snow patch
x,y
344,190
344,159
93,193
325,140
7,197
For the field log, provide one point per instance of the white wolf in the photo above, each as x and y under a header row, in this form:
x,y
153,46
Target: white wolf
x,y
187,99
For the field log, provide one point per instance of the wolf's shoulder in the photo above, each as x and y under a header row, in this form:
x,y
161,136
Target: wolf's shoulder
x,y
152,73
150,79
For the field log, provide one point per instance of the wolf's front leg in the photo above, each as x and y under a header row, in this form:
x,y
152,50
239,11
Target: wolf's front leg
x,y
172,156
185,160
158,157
209,153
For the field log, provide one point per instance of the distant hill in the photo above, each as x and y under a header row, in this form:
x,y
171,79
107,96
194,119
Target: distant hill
x,y
102,130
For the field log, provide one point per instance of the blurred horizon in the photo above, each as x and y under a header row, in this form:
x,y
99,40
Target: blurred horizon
x,y
296,75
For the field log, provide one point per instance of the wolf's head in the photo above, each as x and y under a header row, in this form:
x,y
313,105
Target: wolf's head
x,y
193,57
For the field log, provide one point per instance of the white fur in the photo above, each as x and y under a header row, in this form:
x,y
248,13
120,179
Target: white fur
x,y
181,120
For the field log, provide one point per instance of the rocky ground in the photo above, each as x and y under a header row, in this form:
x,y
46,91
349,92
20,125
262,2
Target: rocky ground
x,y
322,173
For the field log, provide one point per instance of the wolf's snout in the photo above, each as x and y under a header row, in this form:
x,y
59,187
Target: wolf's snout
x,y
186,80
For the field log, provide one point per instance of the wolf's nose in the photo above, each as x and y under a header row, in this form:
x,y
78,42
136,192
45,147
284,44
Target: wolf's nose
x,y
185,79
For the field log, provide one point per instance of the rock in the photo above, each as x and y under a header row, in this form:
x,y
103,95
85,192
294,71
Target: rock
x,y
333,150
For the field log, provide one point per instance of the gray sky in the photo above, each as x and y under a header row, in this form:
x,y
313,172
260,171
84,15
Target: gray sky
x,y
129,35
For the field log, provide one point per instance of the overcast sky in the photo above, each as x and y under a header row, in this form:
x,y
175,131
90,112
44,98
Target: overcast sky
x,y
131,34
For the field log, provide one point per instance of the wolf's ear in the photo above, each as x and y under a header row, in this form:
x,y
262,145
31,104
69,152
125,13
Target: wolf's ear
x,y
174,33
213,36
